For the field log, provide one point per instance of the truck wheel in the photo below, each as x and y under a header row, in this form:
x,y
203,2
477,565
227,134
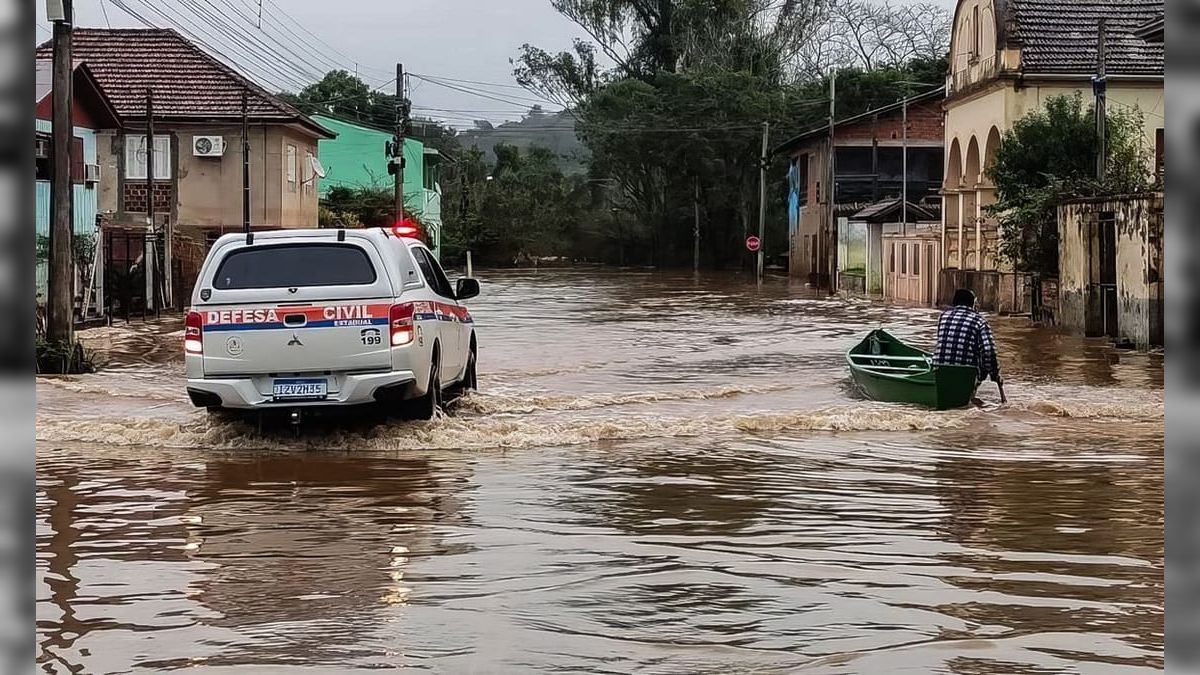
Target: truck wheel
x,y
470,381
426,406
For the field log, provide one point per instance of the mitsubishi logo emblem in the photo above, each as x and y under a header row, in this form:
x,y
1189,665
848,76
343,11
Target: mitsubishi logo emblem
x,y
295,341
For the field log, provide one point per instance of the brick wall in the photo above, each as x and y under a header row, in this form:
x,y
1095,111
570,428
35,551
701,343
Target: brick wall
x,y
134,198
925,122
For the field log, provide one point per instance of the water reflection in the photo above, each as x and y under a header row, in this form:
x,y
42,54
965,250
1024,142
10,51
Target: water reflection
x,y
670,496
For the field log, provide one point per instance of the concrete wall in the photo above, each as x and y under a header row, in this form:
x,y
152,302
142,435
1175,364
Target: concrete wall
x,y
207,191
1138,259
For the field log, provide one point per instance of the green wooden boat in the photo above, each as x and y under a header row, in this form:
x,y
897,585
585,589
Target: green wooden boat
x,y
887,369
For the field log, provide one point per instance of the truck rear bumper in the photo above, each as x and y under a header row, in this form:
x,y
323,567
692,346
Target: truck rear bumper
x,y
252,393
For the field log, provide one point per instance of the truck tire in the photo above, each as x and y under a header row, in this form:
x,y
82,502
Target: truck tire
x,y
425,407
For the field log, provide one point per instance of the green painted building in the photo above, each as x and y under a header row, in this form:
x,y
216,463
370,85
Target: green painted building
x,y
356,159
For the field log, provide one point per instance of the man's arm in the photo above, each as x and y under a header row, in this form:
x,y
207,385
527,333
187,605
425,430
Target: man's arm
x,y
987,350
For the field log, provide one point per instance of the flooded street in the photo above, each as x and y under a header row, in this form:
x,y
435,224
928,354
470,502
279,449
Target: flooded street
x,y
660,475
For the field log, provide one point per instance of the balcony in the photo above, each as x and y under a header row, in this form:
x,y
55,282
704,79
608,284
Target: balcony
x,y
972,72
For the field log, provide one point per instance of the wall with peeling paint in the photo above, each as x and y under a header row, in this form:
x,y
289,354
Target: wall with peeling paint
x,y
1137,257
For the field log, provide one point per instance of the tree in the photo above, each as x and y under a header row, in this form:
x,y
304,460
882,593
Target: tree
x,y
565,78
1050,156
370,206
344,95
870,35
692,83
523,206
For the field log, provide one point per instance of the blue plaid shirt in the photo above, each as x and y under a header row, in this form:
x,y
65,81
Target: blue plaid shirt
x,y
964,338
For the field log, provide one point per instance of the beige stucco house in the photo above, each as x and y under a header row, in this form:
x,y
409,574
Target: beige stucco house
x,y
1006,58
197,147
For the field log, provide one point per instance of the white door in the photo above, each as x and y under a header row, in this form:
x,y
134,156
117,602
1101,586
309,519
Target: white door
x,y
446,309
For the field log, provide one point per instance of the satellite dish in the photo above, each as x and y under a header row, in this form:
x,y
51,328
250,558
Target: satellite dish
x,y
318,170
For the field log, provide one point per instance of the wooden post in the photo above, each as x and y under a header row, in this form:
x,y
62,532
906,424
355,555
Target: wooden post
x,y
762,199
1099,90
831,191
696,226
150,253
904,163
245,164
401,114
59,302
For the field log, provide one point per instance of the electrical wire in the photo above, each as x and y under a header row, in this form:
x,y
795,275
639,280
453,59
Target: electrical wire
x,y
488,95
260,71
461,81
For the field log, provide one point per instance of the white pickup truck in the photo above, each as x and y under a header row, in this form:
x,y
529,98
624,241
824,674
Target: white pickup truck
x,y
293,319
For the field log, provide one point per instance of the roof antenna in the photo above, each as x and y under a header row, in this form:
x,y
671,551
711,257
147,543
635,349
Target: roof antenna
x,y
341,234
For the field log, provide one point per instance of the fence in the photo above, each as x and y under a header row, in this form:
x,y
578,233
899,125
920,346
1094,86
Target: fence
x,y
125,273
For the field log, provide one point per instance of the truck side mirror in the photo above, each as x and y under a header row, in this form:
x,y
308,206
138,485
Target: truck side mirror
x,y
466,289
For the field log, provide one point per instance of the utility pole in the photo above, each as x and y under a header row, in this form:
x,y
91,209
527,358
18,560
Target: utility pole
x,y
762,197
823,248
245,164
696,227
398,151
904,163
1100,91
60,321
150,251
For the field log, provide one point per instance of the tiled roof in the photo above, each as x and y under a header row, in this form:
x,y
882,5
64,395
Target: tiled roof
x,y
188,84
1059,36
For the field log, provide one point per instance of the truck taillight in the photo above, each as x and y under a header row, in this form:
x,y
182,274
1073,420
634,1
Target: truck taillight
x,y
193,342
400,324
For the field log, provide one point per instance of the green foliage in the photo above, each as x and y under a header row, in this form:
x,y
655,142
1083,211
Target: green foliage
x,y
1050,156
683,107
373,206
528,208
342,94
62,358
83,248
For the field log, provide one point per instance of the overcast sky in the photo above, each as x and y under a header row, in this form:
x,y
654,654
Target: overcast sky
x,y
459,39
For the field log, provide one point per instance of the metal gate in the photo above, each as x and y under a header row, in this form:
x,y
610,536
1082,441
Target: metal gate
x,y
125,265
1108,273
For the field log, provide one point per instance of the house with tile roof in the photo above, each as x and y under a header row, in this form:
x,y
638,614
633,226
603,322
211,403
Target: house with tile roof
x,y
197,146
1006,58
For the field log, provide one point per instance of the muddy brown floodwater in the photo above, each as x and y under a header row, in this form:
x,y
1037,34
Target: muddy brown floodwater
x,y
662,474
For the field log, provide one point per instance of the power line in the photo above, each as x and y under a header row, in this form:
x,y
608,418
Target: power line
x,y
315,70
291,64
488,95
104,9
487,84
316,37
262,71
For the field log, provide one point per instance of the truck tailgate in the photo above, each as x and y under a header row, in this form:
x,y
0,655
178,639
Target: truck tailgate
x,y
252,339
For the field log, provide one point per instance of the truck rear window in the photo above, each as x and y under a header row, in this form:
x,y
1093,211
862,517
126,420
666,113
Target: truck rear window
x,y
295,266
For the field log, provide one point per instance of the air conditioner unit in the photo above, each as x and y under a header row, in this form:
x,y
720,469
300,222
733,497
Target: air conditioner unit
x,y
42,148
208,146
91,173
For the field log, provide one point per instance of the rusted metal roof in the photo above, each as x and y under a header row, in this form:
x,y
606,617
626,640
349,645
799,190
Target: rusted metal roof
x,y
883,211
189,85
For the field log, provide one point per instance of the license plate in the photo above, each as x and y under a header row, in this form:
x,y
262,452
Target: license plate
x,y
299,388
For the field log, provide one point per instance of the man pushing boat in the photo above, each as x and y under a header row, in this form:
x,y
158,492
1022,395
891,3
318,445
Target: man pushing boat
x,y
964,338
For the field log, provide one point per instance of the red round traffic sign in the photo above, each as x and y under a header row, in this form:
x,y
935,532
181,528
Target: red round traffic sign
x,y
753,243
